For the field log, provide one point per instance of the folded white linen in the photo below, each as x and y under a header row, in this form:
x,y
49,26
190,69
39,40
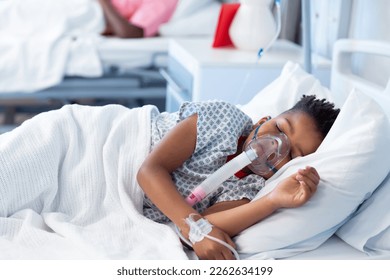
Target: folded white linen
x,y
41,41
68,187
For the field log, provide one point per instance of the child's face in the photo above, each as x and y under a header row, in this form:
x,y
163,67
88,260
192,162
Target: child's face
x,y
300,129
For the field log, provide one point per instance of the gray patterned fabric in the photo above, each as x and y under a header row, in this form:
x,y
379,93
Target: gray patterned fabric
x,y
219,126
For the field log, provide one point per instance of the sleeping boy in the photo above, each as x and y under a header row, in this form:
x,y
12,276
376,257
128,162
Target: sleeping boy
x,y
192,143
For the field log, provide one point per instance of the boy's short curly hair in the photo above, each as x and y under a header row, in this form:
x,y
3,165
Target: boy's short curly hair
x,y
322,111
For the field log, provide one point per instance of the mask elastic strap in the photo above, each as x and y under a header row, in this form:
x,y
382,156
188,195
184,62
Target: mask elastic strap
x,y
258,127
255,133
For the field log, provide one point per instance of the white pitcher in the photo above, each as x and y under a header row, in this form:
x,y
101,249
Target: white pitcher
x,y
254,25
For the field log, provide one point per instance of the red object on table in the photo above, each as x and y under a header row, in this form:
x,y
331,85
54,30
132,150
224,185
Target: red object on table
x,y
226,16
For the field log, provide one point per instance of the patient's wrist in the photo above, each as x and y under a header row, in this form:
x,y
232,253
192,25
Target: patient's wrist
x,y
272,202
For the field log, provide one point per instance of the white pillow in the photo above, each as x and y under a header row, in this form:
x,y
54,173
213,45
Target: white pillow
x,y
369,228
348,163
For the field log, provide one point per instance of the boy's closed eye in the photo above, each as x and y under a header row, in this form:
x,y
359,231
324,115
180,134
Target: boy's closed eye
x,y
278,127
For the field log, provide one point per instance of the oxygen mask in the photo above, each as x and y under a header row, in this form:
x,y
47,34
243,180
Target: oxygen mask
x,y
270,150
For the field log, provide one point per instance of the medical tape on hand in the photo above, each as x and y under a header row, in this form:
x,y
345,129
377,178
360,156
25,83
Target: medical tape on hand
x,y
198,229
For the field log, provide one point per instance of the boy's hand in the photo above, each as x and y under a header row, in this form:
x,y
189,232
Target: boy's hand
x,y
208,249
297,189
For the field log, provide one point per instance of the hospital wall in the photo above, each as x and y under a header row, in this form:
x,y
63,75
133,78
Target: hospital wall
x,y
357,19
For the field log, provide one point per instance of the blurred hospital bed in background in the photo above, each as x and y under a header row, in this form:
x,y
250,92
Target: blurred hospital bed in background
x,y
61,58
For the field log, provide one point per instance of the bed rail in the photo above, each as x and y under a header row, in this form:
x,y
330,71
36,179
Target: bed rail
x,y
343,79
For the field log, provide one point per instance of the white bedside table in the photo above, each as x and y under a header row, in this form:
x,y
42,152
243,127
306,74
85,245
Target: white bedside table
x,y
198,72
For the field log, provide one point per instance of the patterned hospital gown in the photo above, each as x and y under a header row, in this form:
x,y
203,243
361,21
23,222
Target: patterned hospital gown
x,y
219,127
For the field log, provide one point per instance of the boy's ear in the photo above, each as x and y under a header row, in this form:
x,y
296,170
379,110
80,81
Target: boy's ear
x,y
263,120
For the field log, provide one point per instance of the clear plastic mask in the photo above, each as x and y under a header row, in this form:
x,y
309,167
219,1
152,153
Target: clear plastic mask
x,y
271,149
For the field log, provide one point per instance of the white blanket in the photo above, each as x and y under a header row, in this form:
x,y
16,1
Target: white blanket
x,y
68,187
41,41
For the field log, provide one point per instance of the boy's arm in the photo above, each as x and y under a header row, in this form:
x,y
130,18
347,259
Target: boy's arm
x,y
234,220
154,175
292,192
116,25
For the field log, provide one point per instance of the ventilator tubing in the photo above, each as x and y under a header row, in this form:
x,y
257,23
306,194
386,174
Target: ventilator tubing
x,y
221,175
261,155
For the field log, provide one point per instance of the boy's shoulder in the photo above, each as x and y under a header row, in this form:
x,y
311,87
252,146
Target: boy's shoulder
x,y
212,105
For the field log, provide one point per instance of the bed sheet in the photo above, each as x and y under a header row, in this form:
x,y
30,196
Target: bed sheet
x,y
335,249
83,199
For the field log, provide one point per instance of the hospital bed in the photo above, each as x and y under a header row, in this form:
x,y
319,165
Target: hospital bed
x,y
130,70
343,81
362,232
